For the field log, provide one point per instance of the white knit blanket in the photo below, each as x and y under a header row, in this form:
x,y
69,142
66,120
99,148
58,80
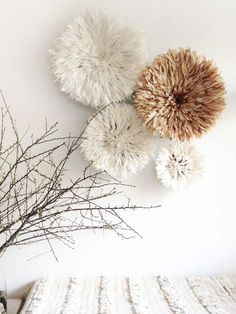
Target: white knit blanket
x,y
153,295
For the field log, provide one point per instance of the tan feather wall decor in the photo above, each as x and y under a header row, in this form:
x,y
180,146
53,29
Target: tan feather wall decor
x,y
180,95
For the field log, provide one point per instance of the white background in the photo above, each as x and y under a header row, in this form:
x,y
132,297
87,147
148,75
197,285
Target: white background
x,y
194,230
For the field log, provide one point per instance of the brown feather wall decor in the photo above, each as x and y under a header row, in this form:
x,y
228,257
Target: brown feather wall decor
x,y
180,95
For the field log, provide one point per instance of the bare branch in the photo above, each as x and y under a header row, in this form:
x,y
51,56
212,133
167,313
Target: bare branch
x,y
39,203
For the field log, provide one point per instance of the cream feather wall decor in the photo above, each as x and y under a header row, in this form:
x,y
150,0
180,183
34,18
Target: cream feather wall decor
x,y
97,58
117,142
178,165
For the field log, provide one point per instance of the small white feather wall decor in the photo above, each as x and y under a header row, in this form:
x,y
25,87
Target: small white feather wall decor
x,y
97,58
178,165
116,141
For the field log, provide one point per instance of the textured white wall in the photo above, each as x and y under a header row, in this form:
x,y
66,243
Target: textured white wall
x,y
194,231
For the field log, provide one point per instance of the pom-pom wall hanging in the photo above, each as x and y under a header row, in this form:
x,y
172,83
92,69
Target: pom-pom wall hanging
x,y
97,59
116,141
178,165
180,95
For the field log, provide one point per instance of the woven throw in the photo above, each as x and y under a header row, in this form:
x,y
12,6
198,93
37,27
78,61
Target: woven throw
x,y
151,295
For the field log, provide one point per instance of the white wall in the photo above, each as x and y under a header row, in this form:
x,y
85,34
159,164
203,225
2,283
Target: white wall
x,y
194,231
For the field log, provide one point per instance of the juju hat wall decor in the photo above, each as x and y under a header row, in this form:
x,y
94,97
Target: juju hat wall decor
x,y
116,141
180,95
178,165
97,58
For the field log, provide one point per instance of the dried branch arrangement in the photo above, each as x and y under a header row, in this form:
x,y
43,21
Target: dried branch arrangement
x,y
37,200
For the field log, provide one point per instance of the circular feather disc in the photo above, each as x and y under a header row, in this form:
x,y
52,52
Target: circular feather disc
x,y
116,141
97,58
180,95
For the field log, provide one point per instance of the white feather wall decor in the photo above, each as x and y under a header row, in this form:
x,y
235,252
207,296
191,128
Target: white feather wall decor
x,y
97,58
116,141
178,165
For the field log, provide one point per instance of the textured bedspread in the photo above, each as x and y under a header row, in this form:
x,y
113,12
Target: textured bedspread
x,y
152,295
